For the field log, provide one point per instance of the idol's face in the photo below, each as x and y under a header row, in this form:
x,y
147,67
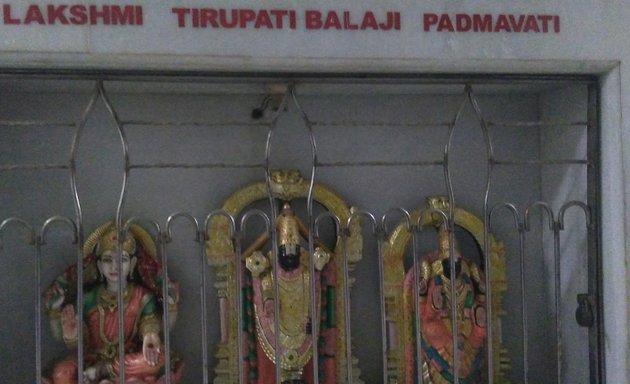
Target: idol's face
x,y
108,265
289,256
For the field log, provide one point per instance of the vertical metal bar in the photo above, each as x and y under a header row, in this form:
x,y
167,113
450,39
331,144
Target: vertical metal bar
x,y
274,240
33,239
597,357
238,236
557,298
38,311
342,233
41,241
377,230
346,307
119,224
203,288
167,323
311,246
486,245
520,227
416,304
451,227
79,218
524,326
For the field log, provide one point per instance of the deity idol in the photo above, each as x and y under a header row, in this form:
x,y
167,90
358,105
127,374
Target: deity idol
x,y
295,323
144,358
435,302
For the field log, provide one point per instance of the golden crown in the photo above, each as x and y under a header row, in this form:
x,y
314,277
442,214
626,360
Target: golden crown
x,y
109,242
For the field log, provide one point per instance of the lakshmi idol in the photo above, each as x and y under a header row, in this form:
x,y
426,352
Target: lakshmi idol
x,y
144,358
436,301
295,323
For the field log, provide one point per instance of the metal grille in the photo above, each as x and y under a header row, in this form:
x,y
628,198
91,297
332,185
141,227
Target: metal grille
x,y
299,105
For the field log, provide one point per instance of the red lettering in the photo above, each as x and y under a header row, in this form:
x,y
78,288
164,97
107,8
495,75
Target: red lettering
x,y
544,19
502,24
369,21
445,24
245,16
181,16
517,25
34,15
123,16
463,22
429,20
223,18
292,20
279,15
263,20
195,17
208,16
139,15
313,19
78,15
57,13
346,21
397,21
531,24
556,24
482,23
95,14
8,20
391,17
332,21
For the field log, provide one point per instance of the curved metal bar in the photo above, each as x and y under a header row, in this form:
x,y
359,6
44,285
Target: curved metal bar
x,y
546,208
239,287
32,237
413,229
428,211
76,140
164,259
365,214
41,240
377,230
311,245
447,148
119,224
342,233
575,203
323,215
32,240
253,213
203,283
488,264
220,213
54,219
167,238
510,207
274,250
555,227
402,211
190,218
520,227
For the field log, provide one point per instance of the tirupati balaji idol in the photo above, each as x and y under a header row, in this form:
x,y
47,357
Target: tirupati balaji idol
x,y
144,358
437,303
295,321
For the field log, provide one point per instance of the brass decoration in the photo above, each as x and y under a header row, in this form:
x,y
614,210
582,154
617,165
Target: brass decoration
x,y
286,185
398,304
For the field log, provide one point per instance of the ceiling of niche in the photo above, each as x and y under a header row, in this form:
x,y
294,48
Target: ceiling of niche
x,y
304,86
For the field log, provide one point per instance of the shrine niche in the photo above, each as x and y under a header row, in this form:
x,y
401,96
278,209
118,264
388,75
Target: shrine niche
x,y
294,288
435,298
